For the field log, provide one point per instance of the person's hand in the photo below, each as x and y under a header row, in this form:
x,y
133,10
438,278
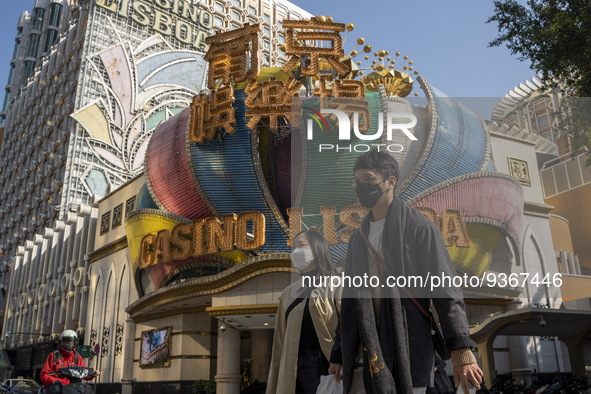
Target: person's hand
x,y
467,373
97,373
335,369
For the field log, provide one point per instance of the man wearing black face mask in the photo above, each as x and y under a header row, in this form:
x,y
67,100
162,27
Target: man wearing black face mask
x,y
384,342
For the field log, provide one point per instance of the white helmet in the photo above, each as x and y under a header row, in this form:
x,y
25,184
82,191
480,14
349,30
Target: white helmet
x,y
69,340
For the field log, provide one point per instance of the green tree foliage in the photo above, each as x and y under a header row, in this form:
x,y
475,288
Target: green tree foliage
x,y
555,37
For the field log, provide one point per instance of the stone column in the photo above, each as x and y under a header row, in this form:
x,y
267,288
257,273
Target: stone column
x,y
487,360
261,343
575,354
129,350
228,360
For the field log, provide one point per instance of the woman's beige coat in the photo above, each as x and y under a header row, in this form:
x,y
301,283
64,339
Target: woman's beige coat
x,y
325,305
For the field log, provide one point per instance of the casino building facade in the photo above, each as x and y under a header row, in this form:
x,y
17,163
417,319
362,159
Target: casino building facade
x,y
174,275
112,71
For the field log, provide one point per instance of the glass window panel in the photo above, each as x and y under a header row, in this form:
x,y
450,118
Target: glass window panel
x,y
11,74
252,10
37,20
574,174
17,44
548,182
55,12
543,121
6,100
32,46
50,38
561,179
586,170
548,135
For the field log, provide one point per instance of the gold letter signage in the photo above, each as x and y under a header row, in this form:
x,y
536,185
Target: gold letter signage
x,y
187,22
203,236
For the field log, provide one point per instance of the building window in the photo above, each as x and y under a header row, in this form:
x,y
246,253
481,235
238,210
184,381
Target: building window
x,y
236,16
267,32
267,18
33,45
105,219
266,44
11,73
55,12
217,21
17,44
543,121
117,216
6,100
237,3
37,20
130,206
252,10
219,7
28,67
50,38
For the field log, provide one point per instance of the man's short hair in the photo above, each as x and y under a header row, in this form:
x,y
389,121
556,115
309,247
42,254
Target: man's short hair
x,y
382,162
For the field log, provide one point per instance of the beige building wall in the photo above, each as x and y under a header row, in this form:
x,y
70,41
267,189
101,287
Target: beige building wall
x,y
574,206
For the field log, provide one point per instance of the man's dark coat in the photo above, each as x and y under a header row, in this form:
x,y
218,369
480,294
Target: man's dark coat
x,y
412,245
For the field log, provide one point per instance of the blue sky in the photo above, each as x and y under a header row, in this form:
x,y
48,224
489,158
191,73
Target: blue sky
x,y
447,40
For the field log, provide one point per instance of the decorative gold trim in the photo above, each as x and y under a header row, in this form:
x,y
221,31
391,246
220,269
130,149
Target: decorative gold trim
x,y
487,301
202,333
174,312
222,262
519,170
242,310
537,209
108,249
196,333
213,284
188,357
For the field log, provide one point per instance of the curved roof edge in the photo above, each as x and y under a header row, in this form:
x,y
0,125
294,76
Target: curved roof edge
x,y
540,143
514,96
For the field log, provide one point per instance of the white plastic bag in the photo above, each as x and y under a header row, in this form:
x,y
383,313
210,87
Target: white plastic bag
x,y
460,390
329,385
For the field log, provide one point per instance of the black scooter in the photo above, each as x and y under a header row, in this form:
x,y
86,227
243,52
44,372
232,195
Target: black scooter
x,y
76,375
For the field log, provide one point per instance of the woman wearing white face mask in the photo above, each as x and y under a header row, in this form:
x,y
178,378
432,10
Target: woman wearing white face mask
x,y
306,321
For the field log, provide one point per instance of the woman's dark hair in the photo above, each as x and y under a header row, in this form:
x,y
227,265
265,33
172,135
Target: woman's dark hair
x,y
319,248
380,161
